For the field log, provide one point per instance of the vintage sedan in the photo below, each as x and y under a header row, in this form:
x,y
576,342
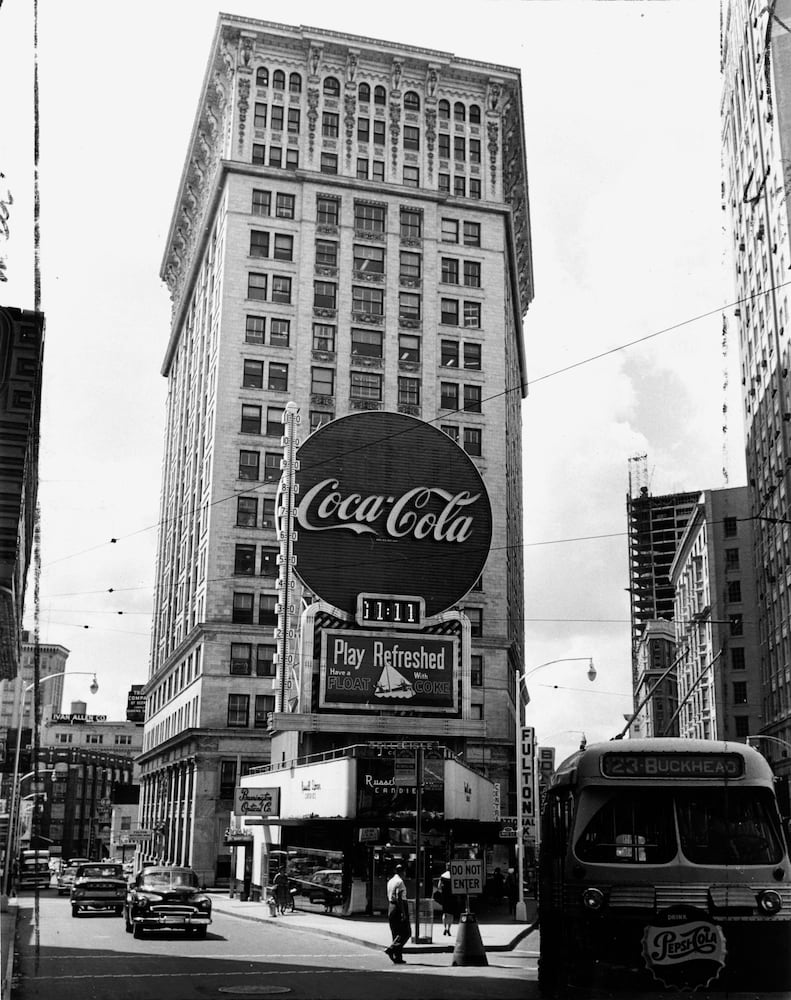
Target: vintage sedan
x,y
98,886
166,897
66,875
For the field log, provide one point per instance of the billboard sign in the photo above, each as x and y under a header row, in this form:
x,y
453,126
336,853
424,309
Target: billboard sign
x,y
372,670
389,505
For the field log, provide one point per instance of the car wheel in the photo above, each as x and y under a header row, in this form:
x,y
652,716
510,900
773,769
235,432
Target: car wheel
x,y
137,930
75,910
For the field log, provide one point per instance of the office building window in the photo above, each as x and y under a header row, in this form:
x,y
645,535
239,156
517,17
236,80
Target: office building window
x,y
246,512
323,337
362,168
411,101
228,773
269,562
331,87
472,357
295,85
249,465
284,206
284,247
279,332
366,385
472,399
736,624
737,657
729,527
329,163
256,287
238,711
329,125
475,188
264,706
242,613
259,154
740,693
326,253
378,170
476,621
472,273
444,110
266,609
265,660
411,137
253,374
241,658
274,421
367,343
409,307
272,467
449,312
411,177
408,391
472,315
278,80
254,330
380,95
459,112
476,670
322,381
410,266
472,234
443,183
410,223
450,230
449,271
327,210
368,300
369,259
475,150
741,725
731,559
259,243
364,93
277,117
244,560
275,156
379,132
408,347
251,419
449,353
734,591
370,218
451,431
472,440
268,513
363,129
324,294
449,395
443,145
475,114
281,289
293,121
262,202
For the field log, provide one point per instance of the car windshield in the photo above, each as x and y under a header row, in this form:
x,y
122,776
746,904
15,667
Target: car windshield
x,y
710,826
166,878
100,871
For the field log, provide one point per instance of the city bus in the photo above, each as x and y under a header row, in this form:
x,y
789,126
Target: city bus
x,y
664,861
33,869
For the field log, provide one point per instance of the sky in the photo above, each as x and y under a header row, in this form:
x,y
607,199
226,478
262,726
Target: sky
x,y
624,338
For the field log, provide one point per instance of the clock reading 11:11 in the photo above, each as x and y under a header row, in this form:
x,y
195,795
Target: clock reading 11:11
x,y
393,612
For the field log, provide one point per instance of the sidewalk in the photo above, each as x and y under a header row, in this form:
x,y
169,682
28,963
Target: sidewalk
x,y
7,935
374,932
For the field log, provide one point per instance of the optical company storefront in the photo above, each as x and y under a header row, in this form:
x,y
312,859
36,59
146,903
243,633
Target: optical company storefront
x,y
386,521
355,813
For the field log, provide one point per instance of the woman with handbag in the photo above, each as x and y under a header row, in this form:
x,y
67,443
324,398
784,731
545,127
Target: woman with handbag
x,y
447,901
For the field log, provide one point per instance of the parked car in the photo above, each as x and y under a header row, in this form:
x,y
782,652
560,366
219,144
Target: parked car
x,y
98,886
166,897
325,887
67,873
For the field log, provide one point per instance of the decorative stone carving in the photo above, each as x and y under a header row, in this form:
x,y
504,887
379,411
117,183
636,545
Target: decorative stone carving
x,y
395,130
374,319
314,59
360,361
432,81
411,408
313,114
495,93
246,52
431,137
351,66
365,404
493,132
244,104
397,70
350,107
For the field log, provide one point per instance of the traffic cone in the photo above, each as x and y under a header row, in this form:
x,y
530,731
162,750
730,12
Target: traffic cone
x,y
469,948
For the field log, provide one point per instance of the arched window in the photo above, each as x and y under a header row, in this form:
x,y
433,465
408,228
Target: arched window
x,y
475,114
459,112
279,80
364,93
380,97
411,101
295,83
444,110
331,87
262,77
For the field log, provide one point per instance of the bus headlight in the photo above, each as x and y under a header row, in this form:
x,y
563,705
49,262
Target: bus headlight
x,y
769,901
593,899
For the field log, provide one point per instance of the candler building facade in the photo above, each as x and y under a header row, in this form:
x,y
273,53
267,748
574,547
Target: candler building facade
x,y
351,233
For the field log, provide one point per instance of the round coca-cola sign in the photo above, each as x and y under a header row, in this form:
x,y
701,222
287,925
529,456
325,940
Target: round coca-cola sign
x,y
389,505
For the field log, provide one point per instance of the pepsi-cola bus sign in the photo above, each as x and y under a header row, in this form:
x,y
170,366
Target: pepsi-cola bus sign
x,y
388,504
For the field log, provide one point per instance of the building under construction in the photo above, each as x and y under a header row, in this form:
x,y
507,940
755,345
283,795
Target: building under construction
x,y
656,524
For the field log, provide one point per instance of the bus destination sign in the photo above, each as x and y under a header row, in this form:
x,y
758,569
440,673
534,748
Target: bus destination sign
x,y
625,764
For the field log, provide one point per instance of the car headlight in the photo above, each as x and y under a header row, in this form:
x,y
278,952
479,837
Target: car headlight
x,y
593,899
769,901
203,903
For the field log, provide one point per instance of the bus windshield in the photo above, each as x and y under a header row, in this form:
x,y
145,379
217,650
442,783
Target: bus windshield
x,y
708,826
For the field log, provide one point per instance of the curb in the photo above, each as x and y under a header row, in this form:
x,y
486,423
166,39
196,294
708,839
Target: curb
x,y
8,966
376,946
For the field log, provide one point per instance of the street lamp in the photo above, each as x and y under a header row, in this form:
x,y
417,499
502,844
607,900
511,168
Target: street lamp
x,y
522,697
11,845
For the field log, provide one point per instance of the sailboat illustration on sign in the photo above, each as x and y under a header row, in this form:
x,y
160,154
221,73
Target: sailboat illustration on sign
x,y
392,684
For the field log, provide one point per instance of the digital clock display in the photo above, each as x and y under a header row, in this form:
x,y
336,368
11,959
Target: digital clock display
x,y
390,611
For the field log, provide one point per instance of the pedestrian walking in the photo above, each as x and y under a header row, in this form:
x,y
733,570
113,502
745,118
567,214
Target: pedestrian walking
x,y
283,897
511,891
398,915
449,903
